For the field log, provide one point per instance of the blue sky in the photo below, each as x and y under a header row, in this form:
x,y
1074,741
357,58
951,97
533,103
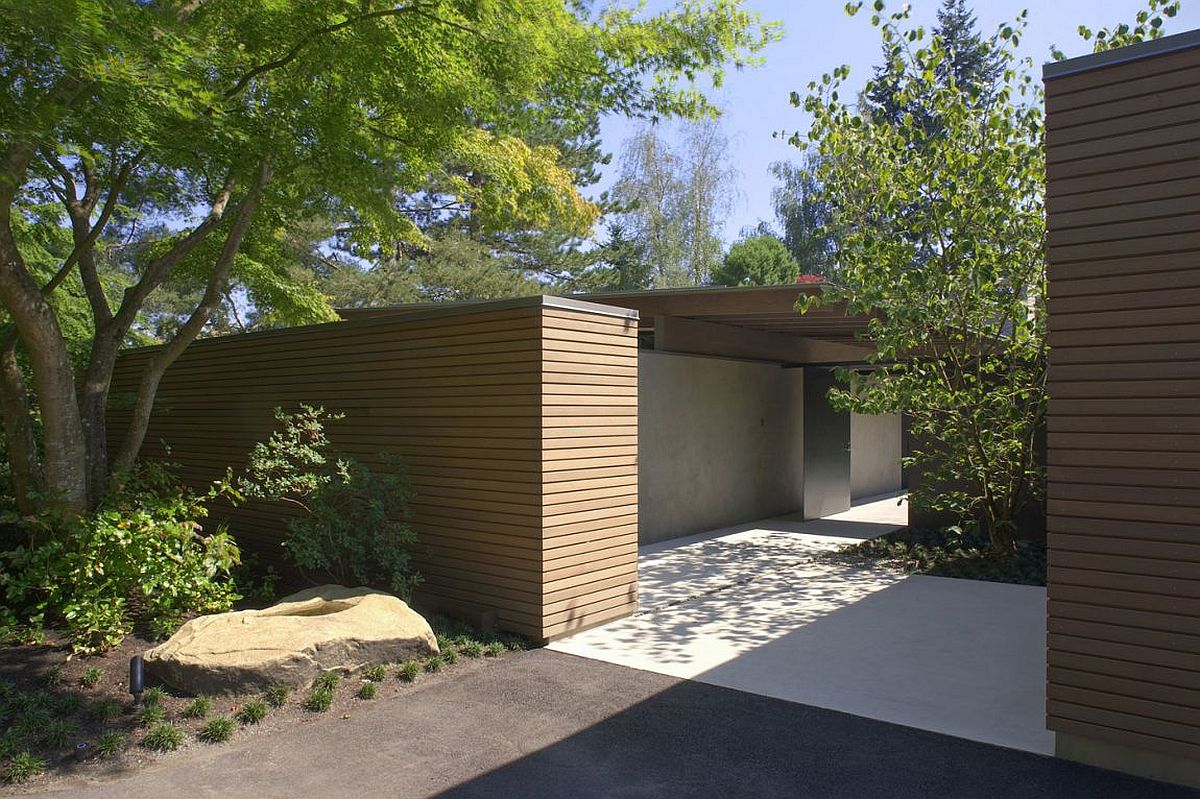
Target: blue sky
x,y
818,36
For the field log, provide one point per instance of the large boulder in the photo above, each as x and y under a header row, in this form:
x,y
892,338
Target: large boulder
x,y
291,642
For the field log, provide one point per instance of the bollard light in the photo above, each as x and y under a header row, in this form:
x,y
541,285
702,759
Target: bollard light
x,y
137,678
82,750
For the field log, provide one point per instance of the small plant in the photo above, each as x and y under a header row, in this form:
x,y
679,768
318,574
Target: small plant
x,y
368,690
328,681
434,664
277,695
495,649
91,677
320,700
105,708
58,733
198,708
375,673
217,730
151,714
449,655
163,737
472,649
514,643
31,723
23,767
409,670
69,704
111,743
254,711
33,700
153,696
8,690
11,742
51,677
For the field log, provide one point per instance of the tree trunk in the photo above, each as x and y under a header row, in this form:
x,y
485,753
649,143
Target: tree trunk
x,y
18,430
162,360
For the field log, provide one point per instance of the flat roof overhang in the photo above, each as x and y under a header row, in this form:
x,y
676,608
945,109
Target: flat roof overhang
x,y
755,323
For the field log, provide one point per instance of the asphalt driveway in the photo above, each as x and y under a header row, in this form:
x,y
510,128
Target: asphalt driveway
x,y
548,724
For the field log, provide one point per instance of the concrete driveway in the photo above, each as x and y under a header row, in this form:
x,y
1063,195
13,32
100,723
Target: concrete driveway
x,y
754,608
547,725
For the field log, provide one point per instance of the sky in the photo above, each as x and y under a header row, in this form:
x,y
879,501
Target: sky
x,y
818,36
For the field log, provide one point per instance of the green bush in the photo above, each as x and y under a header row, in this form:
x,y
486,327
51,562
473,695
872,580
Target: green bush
x,y
320,700
110,743
91,677
151,714
198,708
375,673
254,711
367,690
408,671
163,737
217,730
277,695
350,529
140,558
23,767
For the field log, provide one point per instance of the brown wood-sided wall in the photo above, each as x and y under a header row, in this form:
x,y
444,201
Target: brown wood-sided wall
x,y
1123,204
517,421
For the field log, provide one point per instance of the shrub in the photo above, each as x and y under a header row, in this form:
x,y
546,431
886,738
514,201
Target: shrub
x,y
449,655
69,704
91,677
375,673
58,733
254,711
434,664
217,730
327,680
350,529
320,700
23,767
139,558
151,714
277,695
409,671
11,742
367,690
472,649
198,708
105,709
110,743
153,696
51,677
495,649
163,737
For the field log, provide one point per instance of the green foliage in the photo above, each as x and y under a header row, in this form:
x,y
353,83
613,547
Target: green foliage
x,y
69,703
277,695
319,700
472,649
217,730
941,231
139,558
350,528
163,737
23,767
91,677
110,743
495,649
51,677
11,742
1149,24
408,671
105,709
434,664
150,714
760,259
375,673
327,681
449,655
368,690
58,733
198,708
803,215
154,695
951,552
253,711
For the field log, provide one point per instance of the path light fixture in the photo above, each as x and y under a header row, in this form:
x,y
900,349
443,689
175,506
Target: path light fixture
x,y
82,750
137,678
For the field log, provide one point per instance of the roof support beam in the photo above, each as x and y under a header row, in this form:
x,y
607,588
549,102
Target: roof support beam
x,y
676,334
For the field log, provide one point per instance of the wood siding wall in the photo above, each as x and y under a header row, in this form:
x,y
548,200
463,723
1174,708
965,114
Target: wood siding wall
x,y
517,422
1123,163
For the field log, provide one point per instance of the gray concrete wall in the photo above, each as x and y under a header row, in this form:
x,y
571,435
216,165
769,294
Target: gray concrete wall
x,y
719,442
875,443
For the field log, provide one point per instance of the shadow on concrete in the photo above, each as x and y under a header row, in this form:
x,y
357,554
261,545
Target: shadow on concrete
x,y
699,741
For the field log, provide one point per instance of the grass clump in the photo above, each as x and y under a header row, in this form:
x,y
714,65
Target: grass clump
x,y
328,680
320,700
368,690
111,743
30,724
449,656
277,695
198,708
375,673
51,677
409,670
150,715
949,552
91,677
104,709
11,742
163,737
495,649
434,664
69,704
153,696
254,711
217,730
472,649
22,767
58,733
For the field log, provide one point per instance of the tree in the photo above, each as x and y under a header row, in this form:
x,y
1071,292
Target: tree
x,y
758,259
956,282
184,138
672,200
803,215
620,264
1148,25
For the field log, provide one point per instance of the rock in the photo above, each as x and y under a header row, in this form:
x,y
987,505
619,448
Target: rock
x,y
291,642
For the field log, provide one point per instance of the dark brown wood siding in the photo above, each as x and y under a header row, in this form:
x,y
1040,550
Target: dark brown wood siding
x,y
1123,202
521,499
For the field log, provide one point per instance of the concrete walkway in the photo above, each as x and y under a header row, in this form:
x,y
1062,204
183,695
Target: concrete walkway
x,y
547,725
754,608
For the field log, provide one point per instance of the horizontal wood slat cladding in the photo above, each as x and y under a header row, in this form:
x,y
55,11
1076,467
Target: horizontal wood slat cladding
x,y
1123,613
516,421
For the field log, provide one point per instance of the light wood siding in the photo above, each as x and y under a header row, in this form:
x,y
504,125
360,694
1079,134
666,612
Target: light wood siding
x,y
1123,200
521,499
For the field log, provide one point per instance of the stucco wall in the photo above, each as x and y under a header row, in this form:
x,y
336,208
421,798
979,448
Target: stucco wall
x,y
719,442
874,455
